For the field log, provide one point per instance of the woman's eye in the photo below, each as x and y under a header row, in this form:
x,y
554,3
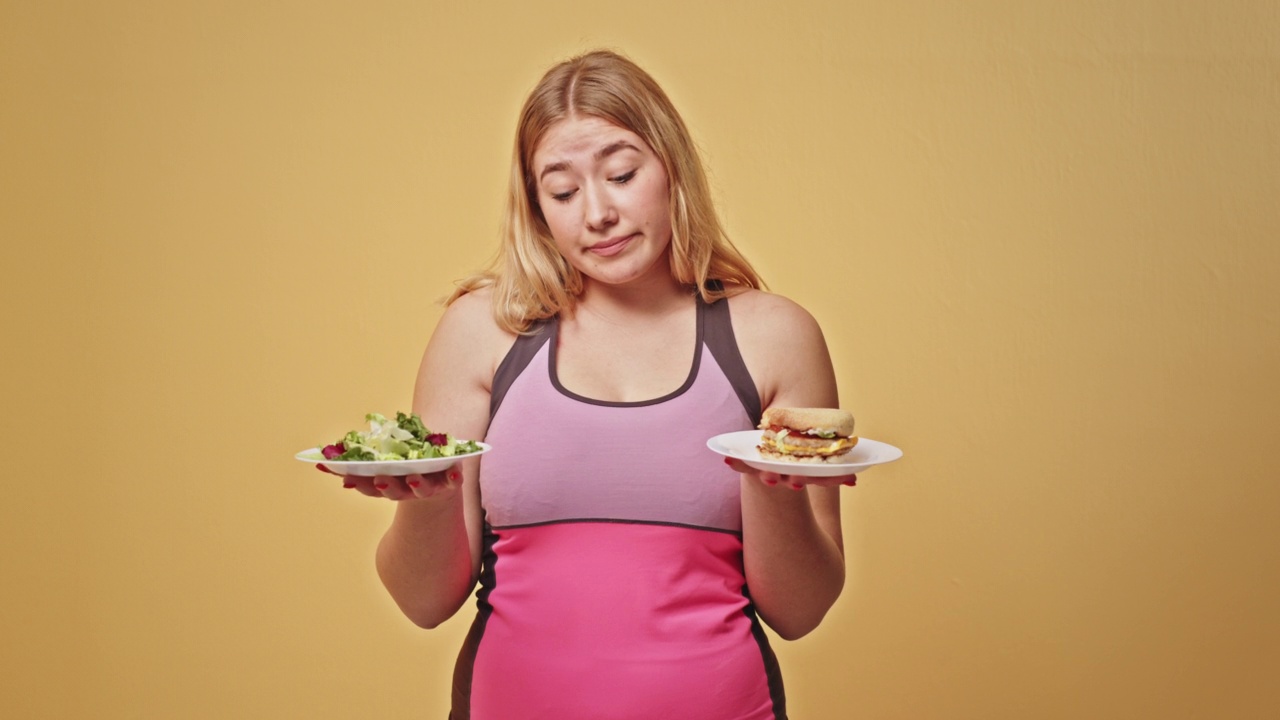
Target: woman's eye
x,y
624,178
562,197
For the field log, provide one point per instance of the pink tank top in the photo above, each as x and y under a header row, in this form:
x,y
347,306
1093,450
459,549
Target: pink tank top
x,y
612,584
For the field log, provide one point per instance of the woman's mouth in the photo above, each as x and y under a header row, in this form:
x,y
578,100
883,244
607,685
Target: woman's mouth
x,y
612,246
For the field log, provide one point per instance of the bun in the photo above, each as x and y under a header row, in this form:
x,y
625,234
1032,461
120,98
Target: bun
x,y
809,419
806,435
769,453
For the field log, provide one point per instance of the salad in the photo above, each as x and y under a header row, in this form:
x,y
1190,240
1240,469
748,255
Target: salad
x,y
404,438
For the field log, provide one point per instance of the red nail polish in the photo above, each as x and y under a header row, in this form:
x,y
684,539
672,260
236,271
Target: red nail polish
x,y
770,483
728,461
797,486
850,483
414,483
453,477
381,486
348,485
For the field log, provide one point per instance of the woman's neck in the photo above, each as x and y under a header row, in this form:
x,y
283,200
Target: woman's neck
x,y
656,296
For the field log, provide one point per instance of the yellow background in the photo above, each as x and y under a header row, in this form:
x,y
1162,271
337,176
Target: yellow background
x,y
1041,238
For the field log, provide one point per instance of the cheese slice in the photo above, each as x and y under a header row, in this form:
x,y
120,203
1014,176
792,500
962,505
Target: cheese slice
x,y
836,446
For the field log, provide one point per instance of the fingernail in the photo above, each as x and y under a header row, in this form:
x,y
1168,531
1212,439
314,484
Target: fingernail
x,y
453,477
770,483
382,486
850,483
727,461
348,485
797,486
414,483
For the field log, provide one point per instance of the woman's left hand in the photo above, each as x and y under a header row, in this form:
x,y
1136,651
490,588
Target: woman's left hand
x,y
794,482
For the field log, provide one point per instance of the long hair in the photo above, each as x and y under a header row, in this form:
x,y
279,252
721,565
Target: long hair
x,y
531,280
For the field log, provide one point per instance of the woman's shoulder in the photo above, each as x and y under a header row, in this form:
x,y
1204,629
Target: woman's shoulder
x,y
782,346
469,332
472,305
758,312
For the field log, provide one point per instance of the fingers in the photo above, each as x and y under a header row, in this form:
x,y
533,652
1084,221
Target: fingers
x,y
837,481
392,488
797,482
408,487
768,478
771,479
362,484
792,482
432,484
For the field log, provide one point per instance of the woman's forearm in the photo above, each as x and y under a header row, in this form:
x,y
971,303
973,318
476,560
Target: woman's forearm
x,y
424,559
795,569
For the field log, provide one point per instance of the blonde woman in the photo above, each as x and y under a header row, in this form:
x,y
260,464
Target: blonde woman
x,y
624,570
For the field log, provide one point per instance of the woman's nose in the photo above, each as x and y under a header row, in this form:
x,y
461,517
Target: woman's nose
x,y
601,213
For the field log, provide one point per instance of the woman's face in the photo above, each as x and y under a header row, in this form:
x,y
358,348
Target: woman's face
x,y
603,193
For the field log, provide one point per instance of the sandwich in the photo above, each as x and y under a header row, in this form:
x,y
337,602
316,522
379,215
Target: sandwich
x,y
806,435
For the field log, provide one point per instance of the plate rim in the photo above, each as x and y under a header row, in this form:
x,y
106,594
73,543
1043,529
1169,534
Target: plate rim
x,y
400,464
801,469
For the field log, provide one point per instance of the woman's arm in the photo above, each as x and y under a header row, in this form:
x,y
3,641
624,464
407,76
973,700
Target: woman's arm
x,y
429,558
792,544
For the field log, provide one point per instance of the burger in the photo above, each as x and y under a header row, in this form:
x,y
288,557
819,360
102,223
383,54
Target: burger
x,y
806,435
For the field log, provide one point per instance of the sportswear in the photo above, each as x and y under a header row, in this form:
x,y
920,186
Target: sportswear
x,y
612,583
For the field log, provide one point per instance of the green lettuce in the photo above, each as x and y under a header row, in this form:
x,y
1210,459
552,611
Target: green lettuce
x,y
405,438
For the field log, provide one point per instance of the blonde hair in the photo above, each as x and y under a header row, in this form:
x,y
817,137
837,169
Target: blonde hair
x,y
531,280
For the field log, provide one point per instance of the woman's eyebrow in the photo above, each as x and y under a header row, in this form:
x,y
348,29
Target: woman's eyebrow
x,y
612,148
553,167
600,154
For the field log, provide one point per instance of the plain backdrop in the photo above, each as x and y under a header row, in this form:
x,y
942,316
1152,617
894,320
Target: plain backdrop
x,y
1041,238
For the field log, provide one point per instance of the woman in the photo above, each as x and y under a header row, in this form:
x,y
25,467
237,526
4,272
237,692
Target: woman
x,y
623,567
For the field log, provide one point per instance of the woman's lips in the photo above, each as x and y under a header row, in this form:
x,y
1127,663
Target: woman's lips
x,y
612,246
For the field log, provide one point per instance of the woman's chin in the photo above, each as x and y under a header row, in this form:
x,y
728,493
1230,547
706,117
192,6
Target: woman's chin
x,y
625,275
628,268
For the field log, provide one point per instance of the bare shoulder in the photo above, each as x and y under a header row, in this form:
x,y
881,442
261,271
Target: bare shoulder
x,y
467,341
473,309
472,315
784,350
765,316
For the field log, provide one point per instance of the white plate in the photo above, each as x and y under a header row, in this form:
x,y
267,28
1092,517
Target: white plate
x,y
397,468
742,446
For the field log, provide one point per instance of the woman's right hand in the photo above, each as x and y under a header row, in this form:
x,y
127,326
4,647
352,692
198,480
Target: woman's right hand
x,y
408,487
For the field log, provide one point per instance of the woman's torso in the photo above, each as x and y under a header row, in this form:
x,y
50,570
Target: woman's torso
x,y
612,583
